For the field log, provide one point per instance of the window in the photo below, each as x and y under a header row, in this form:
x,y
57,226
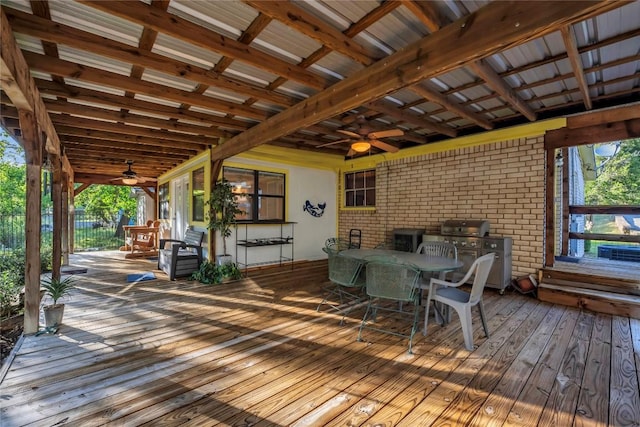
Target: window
x,y
163,201
360,188
260,194
197,195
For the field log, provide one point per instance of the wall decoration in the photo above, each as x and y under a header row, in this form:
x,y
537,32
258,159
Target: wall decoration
x,y
316,211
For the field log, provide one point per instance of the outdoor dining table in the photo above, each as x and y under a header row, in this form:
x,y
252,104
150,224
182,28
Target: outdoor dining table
x,y
424,263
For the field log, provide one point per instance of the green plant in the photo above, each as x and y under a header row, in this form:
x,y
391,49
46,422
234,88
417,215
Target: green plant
x,y
9,292
208,273
57,288
230,270
223,209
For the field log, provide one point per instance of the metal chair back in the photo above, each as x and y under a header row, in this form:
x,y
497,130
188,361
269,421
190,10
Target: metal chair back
x,y
391,280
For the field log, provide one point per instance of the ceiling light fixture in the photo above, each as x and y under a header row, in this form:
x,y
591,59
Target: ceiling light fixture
x,y
129,181
360,146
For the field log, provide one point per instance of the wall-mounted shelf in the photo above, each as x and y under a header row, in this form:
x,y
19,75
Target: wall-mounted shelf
x,y
281,238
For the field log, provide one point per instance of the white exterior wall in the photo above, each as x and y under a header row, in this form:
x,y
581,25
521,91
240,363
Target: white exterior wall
x,y
310,232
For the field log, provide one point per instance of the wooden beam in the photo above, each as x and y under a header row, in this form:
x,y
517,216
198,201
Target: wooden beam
x,y
100,144
56,32
69,69
18,83
104,98
465,41
314,27
614,131
56,197
33,155
427,13
406,116
570,44
604,210
442,100
150,193
80,189
495,82
185,30
603,117
606,237
135,119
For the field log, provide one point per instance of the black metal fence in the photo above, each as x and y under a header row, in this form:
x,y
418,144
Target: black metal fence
x,y
91,232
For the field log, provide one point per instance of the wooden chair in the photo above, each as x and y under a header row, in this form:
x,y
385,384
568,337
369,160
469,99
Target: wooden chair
x,y
183,257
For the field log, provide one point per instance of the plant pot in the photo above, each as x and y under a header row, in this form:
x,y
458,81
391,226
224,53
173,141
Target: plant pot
x,y
224,259
53,315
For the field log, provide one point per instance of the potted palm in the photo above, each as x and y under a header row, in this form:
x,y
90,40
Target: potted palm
x,y
223,209
56,289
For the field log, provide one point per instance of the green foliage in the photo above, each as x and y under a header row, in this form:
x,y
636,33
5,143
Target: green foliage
x,y
13,188
11,282
105,201
618,183
57,288
209,273
223,209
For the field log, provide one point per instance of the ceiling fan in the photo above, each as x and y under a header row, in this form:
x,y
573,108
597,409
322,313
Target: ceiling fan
x,y
365,137
130,177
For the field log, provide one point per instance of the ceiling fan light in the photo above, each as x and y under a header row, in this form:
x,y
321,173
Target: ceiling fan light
x,y
360,146
129,181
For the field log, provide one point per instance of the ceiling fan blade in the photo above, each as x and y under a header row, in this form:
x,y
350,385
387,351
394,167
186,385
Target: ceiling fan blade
x,y
146,179
349,133
384,146
332,143
386,133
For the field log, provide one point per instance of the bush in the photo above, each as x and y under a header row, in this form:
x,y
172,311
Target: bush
x,y
209,273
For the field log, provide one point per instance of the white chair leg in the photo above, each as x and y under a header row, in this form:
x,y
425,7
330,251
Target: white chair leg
x,y
467,328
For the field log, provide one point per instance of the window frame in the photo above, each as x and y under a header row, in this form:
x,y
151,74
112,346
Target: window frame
x,y
197,195
352,190
164,200
256,198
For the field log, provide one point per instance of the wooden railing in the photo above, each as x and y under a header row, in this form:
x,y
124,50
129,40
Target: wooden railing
x,y
605,210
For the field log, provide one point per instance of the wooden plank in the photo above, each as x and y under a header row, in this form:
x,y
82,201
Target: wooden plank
x,y
527,408
561,403
606,116
591,280
440,52
496,407
569,38
605,210
598,301
624,406
607,237
593,408
549,197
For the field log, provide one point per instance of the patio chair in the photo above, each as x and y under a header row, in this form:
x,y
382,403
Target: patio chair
x,y
435,248
183,257
336,244
347,284
448,293
389,282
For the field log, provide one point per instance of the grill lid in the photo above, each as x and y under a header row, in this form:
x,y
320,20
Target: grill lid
x,y
465,227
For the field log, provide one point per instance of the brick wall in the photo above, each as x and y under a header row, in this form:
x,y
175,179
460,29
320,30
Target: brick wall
x,y
502,182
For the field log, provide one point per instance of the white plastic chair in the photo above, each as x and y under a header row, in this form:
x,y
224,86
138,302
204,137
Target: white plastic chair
x,y
461,301
435,248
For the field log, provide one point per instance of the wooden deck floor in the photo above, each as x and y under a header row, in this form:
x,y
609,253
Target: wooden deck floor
x,y
256,353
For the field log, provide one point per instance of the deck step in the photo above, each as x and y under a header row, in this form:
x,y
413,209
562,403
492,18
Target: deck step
x,y
592,299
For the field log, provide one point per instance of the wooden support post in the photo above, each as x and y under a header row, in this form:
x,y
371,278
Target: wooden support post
x,y
72,219
33,155
564,193
64,220
56,195
549,220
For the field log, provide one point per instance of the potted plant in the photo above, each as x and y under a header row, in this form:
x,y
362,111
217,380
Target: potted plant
x,y
56,289
223,208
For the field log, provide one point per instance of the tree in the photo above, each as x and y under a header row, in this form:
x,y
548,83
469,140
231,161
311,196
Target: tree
x,y
618,183
106,201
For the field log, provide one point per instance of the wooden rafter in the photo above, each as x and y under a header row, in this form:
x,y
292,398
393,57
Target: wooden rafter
x,y
440,52
495,82
569,38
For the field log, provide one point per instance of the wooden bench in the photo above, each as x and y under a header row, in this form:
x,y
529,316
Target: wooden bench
x,y
183,257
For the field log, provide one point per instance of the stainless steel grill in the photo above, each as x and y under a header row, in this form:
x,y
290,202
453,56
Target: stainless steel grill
x,y
472,239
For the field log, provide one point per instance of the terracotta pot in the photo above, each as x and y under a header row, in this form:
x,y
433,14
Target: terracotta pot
x,y
53,315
